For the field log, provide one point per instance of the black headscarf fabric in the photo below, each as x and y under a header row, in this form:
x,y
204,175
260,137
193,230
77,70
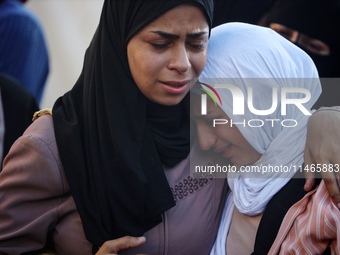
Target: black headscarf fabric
x,y
319,19
112,140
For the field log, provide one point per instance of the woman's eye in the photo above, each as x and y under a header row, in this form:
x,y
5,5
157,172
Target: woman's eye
x,y
197,43
284,33
160,45
315,46
197,46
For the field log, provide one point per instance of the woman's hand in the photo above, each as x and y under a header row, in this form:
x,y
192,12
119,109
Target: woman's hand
x,y
112,247
323,148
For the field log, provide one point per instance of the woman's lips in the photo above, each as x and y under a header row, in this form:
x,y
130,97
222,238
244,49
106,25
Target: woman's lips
x,y
227,152
174,87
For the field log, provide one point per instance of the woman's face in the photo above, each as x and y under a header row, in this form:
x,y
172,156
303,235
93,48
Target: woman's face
x,y
224,139
167,56
305,42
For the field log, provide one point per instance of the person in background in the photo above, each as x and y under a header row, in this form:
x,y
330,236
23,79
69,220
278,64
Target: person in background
x,y
17,106
23,49
314,26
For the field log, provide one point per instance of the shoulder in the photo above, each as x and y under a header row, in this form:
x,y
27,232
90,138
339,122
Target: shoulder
x,y
35,153
42,128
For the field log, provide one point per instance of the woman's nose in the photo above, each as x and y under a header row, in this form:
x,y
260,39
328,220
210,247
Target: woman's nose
x,y
206,138
180,60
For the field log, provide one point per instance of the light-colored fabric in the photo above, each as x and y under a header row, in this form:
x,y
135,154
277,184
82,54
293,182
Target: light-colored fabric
x,y
257,57
36,205
310,226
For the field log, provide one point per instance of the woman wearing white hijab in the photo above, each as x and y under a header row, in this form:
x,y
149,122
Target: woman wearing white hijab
x,y
238,52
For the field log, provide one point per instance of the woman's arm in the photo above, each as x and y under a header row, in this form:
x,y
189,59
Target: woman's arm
x,y
30,192
323,147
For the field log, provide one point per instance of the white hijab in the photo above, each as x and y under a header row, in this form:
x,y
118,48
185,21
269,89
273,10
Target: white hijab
x,y
246,54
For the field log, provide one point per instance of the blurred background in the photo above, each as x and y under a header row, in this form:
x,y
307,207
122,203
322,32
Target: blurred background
x,y
68,26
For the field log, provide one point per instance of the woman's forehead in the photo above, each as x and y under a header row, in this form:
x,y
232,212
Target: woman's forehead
x,y
187,17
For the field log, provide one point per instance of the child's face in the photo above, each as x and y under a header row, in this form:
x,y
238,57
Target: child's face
x,y
224,139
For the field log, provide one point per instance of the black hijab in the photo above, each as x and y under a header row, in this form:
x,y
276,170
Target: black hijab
x,y
112,140
319,19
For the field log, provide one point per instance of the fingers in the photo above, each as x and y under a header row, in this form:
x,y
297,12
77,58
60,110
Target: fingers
x,y
310,180
114,246
310,176
332,184
322,151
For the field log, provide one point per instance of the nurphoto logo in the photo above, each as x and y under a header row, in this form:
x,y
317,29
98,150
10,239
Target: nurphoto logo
x,y
280,97
239,99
